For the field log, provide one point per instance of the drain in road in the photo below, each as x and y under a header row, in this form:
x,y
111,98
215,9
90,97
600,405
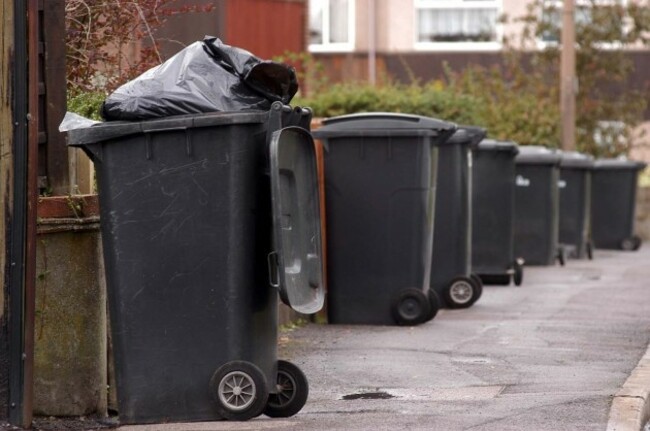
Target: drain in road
x,y
368,396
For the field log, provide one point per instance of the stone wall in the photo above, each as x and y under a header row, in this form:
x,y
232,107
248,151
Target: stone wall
x,y
70,374
643,213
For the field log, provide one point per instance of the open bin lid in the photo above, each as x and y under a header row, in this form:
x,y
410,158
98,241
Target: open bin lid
x,y
468,135
494,145
575,159
537,155
296,267
619,163
385,124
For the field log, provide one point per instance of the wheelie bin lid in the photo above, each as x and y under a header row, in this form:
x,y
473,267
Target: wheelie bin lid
x,y
468,135
296,259
116,129
576,159
294,195
384,124
619,163
494,145
537,155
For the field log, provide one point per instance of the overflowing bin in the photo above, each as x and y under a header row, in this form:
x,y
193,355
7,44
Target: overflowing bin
x,y
537,206
204,219
575,201
451,266
380,179
493,208
613,202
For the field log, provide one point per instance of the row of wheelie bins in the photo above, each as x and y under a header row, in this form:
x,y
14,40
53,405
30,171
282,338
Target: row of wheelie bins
x,y
209,219
409,235
563,205
567,204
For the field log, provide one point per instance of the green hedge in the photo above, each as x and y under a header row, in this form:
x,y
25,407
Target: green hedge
x,y
432,100
507,114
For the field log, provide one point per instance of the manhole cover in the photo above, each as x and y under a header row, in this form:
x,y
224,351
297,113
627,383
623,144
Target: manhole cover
x,y
368,396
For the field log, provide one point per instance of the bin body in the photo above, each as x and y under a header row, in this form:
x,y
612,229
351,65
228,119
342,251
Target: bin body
x,y
536,205
380,198
452,239
613,202
493,207
575,200
186,222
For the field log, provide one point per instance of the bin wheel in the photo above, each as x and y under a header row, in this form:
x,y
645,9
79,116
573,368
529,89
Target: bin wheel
x,y
476,279
627,244
434,304
410,307
239,390
292,392
631,244
590,250
518,276
478,283
461,292
561,256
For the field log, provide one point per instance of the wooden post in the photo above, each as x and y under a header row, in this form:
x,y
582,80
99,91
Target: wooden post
x,y
6,191
568,81
18,195
372,42
54,80
31,203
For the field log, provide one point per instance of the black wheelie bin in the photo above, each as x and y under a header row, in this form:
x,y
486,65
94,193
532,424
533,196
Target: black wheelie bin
x,y
380,179
204,219
613,202
537,206
493,211
575,202
451,262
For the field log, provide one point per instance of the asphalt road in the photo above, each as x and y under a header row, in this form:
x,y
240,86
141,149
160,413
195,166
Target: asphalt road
x,y
548,355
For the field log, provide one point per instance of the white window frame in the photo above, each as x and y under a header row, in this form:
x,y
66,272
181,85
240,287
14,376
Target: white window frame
x,y
327,46
457,46
542,44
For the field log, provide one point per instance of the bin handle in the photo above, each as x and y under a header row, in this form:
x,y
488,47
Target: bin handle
x,y
272,261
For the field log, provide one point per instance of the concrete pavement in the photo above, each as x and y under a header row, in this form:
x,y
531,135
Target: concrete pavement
x,y
549,355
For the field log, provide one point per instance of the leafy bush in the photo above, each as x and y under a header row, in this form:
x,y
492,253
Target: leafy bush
x,y
87,104
515,104
432,99
101,35
603,30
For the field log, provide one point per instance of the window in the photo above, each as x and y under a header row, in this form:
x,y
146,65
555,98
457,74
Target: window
x,y
606,16
331,25
457,23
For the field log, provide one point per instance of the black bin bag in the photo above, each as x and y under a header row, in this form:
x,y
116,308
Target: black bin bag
x,y
206,76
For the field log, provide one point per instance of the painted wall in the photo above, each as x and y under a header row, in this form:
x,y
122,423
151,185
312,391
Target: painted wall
x,y
396,23
266,27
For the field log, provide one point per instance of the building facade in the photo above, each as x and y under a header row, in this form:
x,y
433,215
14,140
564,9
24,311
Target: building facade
x,y
406,39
